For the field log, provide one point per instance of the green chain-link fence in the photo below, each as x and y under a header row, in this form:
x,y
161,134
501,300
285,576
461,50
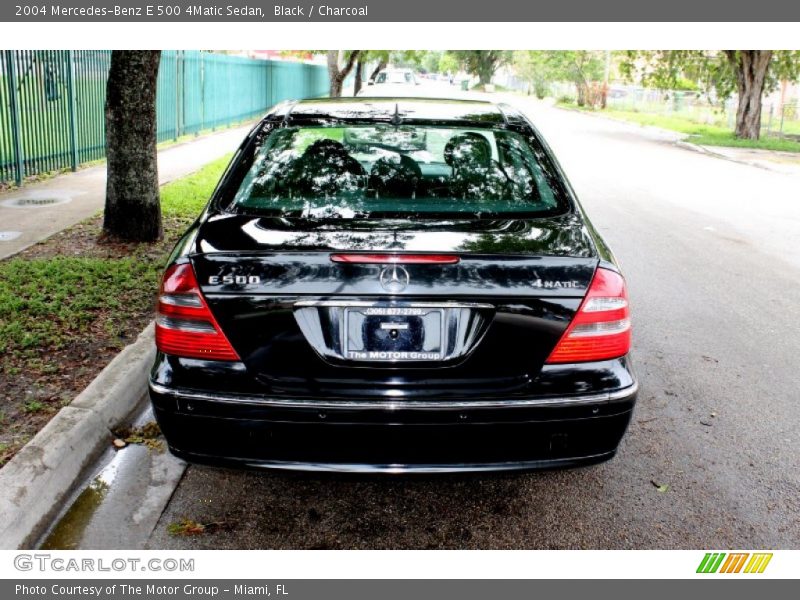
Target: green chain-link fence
x,y
52,101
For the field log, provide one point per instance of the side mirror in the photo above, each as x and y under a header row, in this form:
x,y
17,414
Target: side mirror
x,y
370,82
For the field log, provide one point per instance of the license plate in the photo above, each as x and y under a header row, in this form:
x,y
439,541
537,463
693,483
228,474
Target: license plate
x,y
394,333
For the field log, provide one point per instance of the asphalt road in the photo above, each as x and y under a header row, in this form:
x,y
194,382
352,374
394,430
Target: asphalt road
x,y
711,249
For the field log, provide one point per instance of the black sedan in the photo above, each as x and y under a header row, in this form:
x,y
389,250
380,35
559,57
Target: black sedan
x,y
393,285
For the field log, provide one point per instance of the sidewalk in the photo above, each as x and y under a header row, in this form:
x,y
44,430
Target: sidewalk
x,y
778,161
57,203
787,163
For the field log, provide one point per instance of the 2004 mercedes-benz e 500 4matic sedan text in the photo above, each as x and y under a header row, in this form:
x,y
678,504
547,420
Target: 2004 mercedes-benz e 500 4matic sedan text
x,y
393,285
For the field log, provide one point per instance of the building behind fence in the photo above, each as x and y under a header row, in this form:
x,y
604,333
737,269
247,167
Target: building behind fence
x,y
52,101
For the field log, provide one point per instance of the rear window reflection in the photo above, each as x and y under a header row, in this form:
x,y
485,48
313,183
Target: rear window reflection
x,y
368,170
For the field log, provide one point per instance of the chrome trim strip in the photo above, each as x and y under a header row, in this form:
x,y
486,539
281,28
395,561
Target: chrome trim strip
x,y
388,302
394,469
397,404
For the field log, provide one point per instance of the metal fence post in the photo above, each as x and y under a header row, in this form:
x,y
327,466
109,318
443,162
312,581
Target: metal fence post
x,y
178,93
202,91
51,102
71,103
270,94
16,129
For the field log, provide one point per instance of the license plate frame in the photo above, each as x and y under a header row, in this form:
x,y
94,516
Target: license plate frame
x,y
429,321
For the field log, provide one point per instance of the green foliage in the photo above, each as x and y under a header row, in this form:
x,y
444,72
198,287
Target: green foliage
x,y
581,67
703,134
719,73
34,406
186,197
533,67
713,72
727,138
448,63
578,66
710,71
406,58
481,63
429,61
46,303
685,84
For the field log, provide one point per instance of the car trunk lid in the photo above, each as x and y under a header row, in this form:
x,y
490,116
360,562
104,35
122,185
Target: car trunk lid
x,y
307,324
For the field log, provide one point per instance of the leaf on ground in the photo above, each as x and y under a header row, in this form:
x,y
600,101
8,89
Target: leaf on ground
x,y
190,527
149,430
661,487
146,435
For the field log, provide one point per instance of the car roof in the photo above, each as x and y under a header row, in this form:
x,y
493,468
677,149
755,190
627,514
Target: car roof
x,y
403,109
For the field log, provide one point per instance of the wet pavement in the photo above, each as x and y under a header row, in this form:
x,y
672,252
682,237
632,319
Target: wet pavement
x,y
121,502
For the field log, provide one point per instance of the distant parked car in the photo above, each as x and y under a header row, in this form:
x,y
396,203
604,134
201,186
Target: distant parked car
x,y
391,82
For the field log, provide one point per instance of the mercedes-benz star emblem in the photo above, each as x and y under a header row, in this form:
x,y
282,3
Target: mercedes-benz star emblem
x,y
394,279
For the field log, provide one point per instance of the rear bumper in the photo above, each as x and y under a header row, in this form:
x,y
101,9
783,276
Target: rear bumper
x,y
392,436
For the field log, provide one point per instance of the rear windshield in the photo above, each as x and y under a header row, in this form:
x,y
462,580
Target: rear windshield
x,y
398,171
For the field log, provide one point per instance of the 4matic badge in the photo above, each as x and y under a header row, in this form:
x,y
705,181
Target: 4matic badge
x,y
554,284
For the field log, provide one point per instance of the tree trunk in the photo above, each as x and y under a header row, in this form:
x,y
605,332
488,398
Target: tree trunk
x,y
336,86
381,66
751,72
485,72
358,75
133,207
582,92
337,75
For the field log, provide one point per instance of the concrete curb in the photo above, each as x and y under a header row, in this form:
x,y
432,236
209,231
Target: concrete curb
x,y
114,392
40,478
680,142
709,152
676,136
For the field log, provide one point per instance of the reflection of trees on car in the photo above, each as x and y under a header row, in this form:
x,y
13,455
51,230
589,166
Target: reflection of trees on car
x,y
360,170
564,236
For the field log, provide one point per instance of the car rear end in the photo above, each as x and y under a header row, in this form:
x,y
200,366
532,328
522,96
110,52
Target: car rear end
x,y
388,344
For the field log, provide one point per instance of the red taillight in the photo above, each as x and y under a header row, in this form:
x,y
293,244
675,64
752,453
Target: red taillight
x,y
403,259
601,328
184,324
